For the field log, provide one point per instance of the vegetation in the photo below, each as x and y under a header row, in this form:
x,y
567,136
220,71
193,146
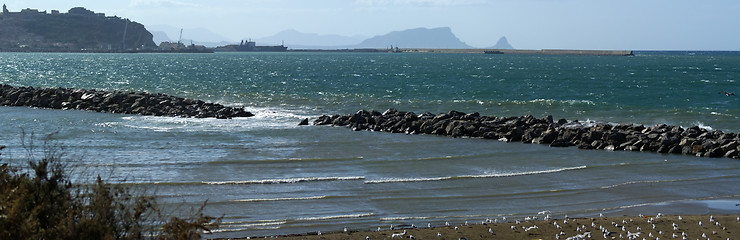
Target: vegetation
x,y
43,203
73,31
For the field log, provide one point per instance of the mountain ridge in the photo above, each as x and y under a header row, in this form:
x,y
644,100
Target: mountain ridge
x,y
441,37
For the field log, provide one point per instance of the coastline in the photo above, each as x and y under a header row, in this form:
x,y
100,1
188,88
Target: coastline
x,y
720,219
657,226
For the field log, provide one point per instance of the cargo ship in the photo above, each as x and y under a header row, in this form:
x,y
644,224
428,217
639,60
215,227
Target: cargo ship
x,y
250,46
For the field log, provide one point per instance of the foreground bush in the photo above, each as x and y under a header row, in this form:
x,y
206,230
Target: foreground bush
x,y
43,203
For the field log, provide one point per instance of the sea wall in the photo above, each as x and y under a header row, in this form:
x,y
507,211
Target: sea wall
x,y
561,133
115,102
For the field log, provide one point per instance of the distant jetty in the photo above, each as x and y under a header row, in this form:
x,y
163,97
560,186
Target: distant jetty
x,y
116,102
561,133
479,51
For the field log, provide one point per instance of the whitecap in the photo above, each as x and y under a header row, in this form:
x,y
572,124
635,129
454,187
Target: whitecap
x,y
279,199
360,215
284,180
495,175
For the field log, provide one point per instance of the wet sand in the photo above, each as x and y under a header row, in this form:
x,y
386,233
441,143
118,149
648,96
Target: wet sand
x,y
640,227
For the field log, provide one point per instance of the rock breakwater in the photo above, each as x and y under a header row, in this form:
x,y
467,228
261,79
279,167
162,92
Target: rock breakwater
x,y
561,133
115,102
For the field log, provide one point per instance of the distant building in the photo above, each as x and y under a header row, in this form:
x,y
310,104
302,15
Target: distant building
x,y
5,9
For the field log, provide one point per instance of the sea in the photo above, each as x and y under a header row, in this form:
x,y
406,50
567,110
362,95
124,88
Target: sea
x,y
267,176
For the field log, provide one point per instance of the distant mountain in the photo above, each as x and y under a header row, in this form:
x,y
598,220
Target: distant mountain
x,y
502,44
295,39
200,36
75,30
160,36
416,38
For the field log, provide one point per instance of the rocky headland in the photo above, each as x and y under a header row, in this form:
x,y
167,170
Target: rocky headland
x,y
116,102
561,133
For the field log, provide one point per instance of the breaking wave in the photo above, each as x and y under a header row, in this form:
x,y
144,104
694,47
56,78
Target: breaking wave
x,y
397,180
286,180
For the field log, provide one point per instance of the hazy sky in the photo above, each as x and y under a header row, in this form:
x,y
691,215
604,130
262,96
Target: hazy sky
x,y
528,24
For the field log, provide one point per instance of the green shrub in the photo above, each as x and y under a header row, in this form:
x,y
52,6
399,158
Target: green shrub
x,y
43,203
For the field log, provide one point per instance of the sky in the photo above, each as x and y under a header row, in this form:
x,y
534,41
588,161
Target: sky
x,y
527,24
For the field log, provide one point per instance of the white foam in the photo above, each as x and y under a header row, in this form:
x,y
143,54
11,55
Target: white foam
x,y
287,180
336,217
705,127
397,180
279,199
264,118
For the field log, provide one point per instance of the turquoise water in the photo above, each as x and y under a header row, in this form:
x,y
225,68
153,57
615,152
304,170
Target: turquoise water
x,y
269,176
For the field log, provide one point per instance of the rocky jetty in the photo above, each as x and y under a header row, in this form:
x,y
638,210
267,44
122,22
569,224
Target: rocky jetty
x,y
115,102
561,133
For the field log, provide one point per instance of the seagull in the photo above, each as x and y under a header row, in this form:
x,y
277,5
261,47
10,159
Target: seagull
x,y
345,229
367,237
701,224
703,235
447,223
490,230
429,225
439,234
458,228
680,218
653,226
726,93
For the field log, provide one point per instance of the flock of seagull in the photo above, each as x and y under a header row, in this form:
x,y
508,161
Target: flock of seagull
x,y
621,231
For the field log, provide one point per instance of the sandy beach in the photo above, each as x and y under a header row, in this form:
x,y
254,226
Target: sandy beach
x,y
622,227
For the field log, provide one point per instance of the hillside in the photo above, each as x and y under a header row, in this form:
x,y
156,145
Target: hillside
x,y
79,29
416,38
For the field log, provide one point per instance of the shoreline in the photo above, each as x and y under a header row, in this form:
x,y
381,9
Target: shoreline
x,y
725,210
544,226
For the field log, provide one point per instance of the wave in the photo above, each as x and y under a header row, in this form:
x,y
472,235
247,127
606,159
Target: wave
x,y
264,118
279,199
359,215
285,180
554,102
286,160
665,181
238,226
397,180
